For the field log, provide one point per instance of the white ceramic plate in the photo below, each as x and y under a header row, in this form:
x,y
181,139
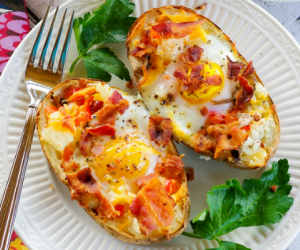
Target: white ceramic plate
x,y
47,219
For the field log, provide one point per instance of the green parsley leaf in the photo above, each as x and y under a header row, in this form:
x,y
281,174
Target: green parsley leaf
x,y
110,23
99,62
256,202
227,245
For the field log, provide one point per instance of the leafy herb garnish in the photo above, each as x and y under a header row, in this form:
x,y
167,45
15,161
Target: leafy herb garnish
x,y
257,202
110,23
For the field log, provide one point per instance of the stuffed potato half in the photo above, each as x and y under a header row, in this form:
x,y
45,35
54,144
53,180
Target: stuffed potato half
x,y
117,163
189,71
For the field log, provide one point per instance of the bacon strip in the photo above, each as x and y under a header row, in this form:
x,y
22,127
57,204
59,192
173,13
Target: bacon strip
x,y
115,98
191,55
106,129
234,68
249,69
196,78
81,94
160,130
85,143
83,185
168,30
142,181
97,149
146,46
153,207
68,123
245,93
170,167
96,106
202,143
107,115
181,75
214,80
229,137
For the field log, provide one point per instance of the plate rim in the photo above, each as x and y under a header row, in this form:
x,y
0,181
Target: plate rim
x,y
282,29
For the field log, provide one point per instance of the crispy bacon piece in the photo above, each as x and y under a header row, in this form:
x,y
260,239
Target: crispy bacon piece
x,y
160,130
142,181
83,185
97,149
168,30
69,166
191,55
153,207
171,166
115,98
81,94
204,111
105,129
95,106
229,137
146,45
196,78
249,69
245,93
107,115
85,143
181,75
172,186
219,118
234,68
68,123
164,29
202,143
214,80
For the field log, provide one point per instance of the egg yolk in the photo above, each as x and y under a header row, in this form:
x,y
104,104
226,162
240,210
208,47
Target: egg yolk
x,y
129,159
205,92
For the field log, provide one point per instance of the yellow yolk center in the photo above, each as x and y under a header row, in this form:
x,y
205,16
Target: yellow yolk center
x,y
205,92
129,159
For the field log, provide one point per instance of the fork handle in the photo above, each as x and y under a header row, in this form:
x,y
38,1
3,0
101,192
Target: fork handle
x,y
12,191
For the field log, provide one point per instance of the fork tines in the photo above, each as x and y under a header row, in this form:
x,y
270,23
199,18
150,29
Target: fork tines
x,y
65,48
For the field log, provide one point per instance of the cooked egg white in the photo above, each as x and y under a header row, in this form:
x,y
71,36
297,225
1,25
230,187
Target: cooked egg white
x,y
128,156
185,108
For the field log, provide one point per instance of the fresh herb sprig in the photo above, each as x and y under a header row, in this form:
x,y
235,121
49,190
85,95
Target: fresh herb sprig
x,y
110,23
257,202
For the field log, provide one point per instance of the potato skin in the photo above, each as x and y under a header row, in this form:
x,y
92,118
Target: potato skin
x,y
55,165
138,72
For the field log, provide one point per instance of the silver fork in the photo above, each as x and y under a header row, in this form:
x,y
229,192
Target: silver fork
x,y
38,83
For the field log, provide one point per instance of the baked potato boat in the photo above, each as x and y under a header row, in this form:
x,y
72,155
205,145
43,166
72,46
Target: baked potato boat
x,y
115,159
189,71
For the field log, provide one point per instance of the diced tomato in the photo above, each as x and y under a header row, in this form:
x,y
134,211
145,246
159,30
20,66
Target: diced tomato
x,y
247,128
50,110
120,208
68,152
171,186
106,129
